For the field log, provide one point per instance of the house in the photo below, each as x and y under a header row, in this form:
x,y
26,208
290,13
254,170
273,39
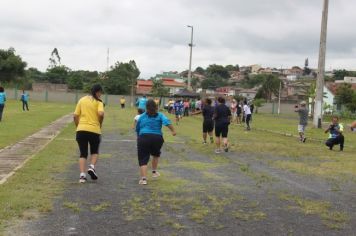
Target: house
x,y
225,91
330,90
347,80
145,86
294,73
255,68
249,94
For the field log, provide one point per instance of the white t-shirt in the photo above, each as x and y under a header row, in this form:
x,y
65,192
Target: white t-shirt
x,y
247,110
137,117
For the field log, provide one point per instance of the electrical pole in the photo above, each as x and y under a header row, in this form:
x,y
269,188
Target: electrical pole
x,y
190,58
107,61
318,112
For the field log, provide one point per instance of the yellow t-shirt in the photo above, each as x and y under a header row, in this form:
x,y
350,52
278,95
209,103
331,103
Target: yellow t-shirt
x,y
122,101
87,109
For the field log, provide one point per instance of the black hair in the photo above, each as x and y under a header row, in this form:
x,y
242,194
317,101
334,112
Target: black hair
x,y
151,107
1,89
96,88
208,101
245,102
140,111
221,100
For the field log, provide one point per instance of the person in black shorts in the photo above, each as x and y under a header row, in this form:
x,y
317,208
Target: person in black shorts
x,y
222,117
150,139
208,122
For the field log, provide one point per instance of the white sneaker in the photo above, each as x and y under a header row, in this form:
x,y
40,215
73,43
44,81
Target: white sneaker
x,y
156,174
82,179
142,182
217,151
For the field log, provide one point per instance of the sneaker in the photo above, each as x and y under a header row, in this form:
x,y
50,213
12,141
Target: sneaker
x,y
92,173
217,151
226,148
82,179
304,139
204,142
156,174
142,182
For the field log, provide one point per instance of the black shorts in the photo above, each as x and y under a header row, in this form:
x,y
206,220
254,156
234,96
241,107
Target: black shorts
x,y
147,145
208,126
221,129
84,138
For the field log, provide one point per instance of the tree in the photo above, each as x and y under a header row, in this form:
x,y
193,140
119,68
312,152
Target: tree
x,y
200,70
57,74
214,82
11,66
306,70
158,89
55,59
345,95
33,74
75,81
121,78
217,71
269,87
258,103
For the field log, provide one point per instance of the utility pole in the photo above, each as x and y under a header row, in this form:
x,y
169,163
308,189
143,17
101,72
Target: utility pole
x,y
190,58
279,97
107,60
318,112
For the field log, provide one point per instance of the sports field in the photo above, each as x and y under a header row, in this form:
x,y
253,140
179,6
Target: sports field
x,y
267,184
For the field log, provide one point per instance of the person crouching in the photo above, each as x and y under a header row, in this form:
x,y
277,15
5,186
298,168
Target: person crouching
x,y
335,134
150,139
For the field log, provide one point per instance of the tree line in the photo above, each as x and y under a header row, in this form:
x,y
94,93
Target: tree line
x,y
119,79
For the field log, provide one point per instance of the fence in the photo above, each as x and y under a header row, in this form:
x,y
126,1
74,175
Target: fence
x,y
73,97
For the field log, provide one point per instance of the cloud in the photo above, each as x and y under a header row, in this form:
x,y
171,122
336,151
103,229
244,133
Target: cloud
x,y
154,33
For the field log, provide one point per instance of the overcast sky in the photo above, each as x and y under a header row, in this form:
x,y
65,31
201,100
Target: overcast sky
x,y
276,33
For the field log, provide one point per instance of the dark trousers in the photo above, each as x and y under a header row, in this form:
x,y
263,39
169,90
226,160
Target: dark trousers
x,y
24,104
248,119
186,111
1,110
335,141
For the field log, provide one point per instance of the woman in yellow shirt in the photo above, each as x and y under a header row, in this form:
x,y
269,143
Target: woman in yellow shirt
x,y
88,118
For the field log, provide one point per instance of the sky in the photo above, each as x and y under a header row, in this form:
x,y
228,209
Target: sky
x,y
154,33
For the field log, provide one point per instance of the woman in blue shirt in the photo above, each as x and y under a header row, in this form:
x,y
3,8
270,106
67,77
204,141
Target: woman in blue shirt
x,y
150,139
2,101
24,100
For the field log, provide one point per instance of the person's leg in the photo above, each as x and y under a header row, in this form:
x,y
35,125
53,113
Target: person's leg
x,y
1,110
217,137
340,140
248,122
224,137
330,143
143,154
204,137
27,106
94,141
156,145
211,137
83,147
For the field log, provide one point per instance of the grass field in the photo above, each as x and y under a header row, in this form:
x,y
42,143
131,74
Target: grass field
x,y
32,189
17,124
312,157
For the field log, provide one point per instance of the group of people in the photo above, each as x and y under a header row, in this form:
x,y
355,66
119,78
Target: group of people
x,y
335,129
24,99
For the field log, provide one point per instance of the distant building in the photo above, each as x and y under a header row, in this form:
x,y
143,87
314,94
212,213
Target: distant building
x,y
145,86
249,94
225,91
347,80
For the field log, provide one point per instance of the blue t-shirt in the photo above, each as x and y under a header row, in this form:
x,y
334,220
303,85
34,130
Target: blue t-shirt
x,y
151,124
24,97
142,103
178,106
2,98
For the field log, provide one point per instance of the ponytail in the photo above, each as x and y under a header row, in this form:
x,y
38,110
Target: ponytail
x,y
96,88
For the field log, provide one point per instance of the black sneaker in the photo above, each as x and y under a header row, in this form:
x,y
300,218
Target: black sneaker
x,y
304,139
92,173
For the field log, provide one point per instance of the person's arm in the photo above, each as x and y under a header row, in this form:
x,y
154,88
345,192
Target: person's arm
x,y
76,114
329,128
171,128
101,113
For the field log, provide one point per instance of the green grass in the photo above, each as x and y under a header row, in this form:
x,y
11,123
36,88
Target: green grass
x,y
17,124
34,186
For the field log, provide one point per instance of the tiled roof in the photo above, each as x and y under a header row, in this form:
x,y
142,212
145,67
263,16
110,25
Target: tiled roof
x,y
334,86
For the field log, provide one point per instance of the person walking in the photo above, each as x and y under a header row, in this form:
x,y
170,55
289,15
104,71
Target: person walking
x,y
238,113
122,102
186,107
208,121
222,118
303,120
150,139
88,118
141,103
2,101
335,130
247,115
233,108
24,99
